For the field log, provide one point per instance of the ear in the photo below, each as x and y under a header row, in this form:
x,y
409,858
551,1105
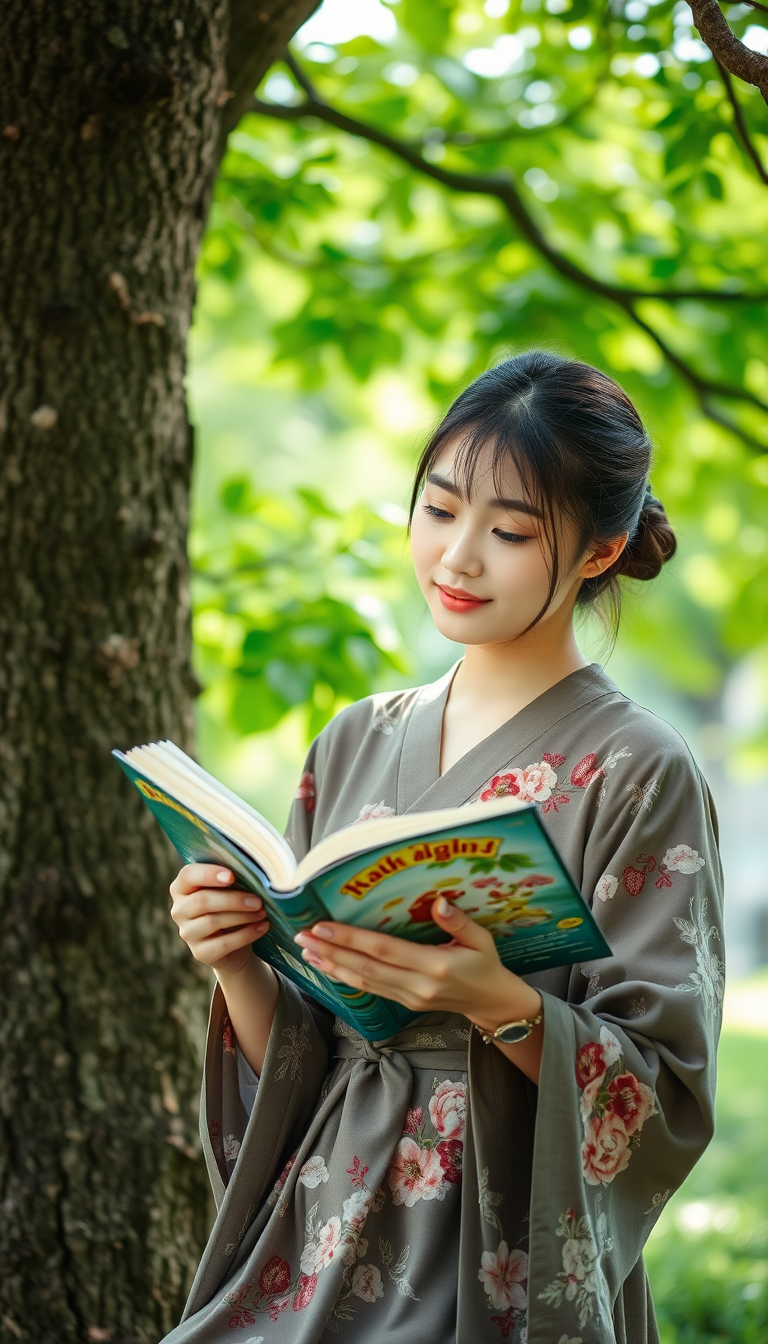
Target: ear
x,y
605,554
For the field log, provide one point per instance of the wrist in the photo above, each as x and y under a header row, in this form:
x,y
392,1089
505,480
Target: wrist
x,y
509,999
252,973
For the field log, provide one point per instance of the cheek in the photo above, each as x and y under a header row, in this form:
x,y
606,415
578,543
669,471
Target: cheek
x,y
422,545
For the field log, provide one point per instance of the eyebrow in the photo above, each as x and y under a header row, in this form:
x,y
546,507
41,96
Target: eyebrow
x,y
519,505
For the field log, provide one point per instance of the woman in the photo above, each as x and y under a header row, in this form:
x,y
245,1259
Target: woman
x,y
494,1171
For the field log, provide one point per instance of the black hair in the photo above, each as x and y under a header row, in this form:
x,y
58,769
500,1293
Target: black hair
x,y
580,449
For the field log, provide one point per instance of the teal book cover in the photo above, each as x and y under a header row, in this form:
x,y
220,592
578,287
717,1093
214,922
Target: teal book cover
x,y
503,871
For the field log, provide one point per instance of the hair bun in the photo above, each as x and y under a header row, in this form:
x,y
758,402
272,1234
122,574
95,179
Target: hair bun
x,y
652,545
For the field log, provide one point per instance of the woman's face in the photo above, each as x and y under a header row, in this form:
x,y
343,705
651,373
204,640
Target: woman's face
x,y
490,548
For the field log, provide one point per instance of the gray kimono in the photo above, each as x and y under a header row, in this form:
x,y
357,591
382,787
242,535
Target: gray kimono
x,y
421,1189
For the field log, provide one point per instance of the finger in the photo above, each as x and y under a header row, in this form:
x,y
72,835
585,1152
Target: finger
x,y
459,925
406,987
205,902
207,926
195,875
327,937
213,950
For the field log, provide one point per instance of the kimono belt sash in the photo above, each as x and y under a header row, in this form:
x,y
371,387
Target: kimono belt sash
x,y
418,1056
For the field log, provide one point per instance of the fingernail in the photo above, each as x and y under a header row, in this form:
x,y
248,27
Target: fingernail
x,y
300,937
442,906
253,902
223,876
322,931
310,957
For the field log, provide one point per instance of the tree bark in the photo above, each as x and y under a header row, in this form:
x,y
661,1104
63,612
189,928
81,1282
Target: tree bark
x,y
113,114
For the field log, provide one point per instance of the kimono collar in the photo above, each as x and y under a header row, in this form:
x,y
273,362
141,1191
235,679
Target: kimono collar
x,y
421,787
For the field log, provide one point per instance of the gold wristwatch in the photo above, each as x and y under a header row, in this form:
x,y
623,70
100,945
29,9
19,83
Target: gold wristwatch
x,y
511,1033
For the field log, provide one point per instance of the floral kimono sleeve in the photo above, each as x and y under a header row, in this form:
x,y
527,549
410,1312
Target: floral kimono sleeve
x,y
626,1092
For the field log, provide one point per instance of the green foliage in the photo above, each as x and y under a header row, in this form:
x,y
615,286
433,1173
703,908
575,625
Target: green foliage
x,y
708,1257
343,263
286,606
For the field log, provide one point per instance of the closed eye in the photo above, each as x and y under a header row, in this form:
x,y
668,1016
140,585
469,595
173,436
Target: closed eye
x,y
514,538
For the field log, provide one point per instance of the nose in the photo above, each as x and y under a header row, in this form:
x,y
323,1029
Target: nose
x,y
461,555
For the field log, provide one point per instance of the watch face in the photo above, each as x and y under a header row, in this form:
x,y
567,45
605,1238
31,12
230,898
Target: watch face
x,y
516,1031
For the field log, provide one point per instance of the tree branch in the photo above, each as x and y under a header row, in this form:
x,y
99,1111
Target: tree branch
x,y
741,123
726,48
504,190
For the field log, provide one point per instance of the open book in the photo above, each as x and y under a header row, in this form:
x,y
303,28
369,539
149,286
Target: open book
x,y
494,860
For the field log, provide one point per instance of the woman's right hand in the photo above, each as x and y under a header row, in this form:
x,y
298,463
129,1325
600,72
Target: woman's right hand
x,y
216,920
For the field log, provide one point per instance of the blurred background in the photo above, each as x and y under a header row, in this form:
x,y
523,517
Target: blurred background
x,y
419,190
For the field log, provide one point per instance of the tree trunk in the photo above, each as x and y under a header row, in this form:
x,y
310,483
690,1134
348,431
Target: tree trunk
x,y
112,116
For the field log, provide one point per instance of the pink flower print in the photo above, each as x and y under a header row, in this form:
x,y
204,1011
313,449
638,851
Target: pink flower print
x,y
372,811
502,1276
228,1036
231,1147
448,1109
682,859
242,1317
416,1173
366,1283
277,1306
306,791
413,1119
537,782
500,786
280,1182
554,759
318,1254
357,1173
275,1277
450,1152
586,770
590,1063
605,1150
305,1291
632,1101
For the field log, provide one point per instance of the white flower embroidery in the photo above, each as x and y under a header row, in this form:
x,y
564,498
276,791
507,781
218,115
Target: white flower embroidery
x,y
658,1201
396,1270
372,811
231,1147
384,719
292,1053
489,1201
593,983
313,1172
643,796
611,1047
708,980
356,1208
607,887
366,1283
683,859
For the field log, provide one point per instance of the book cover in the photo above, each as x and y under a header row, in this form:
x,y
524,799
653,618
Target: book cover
x,y
504,872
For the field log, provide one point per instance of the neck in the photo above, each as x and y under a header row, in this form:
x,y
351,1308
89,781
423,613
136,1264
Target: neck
x,y
514,674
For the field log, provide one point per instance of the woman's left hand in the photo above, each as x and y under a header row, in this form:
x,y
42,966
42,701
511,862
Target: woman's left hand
x,y
463,976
